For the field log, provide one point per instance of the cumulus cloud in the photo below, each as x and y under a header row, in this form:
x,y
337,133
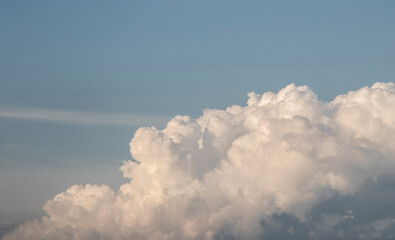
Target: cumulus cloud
x,y
285,166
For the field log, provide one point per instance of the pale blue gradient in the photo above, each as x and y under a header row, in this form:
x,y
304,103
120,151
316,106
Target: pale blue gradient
x,y
161,58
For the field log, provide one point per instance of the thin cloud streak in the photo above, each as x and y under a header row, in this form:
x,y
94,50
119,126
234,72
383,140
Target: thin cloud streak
x,y
79,117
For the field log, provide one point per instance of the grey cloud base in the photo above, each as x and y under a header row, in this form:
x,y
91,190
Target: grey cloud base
x,y
286,166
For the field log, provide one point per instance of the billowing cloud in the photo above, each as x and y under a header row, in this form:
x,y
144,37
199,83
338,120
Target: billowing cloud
x,y
286,166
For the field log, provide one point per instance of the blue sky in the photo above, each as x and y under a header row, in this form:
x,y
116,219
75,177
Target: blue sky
x,y
160,59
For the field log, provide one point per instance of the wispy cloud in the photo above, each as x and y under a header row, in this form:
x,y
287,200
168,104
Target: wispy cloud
x,y
5,223
80,117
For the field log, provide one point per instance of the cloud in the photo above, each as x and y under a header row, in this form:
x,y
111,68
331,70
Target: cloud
x,y
97,118
286,166
5,227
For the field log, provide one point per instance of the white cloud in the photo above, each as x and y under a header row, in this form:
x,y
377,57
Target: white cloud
x,y
99,118
241,173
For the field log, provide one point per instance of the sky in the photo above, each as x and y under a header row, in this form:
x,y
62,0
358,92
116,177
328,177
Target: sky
x,y
79,78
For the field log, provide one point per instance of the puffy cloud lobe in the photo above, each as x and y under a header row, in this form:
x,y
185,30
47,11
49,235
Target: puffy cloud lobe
x,y
266,170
